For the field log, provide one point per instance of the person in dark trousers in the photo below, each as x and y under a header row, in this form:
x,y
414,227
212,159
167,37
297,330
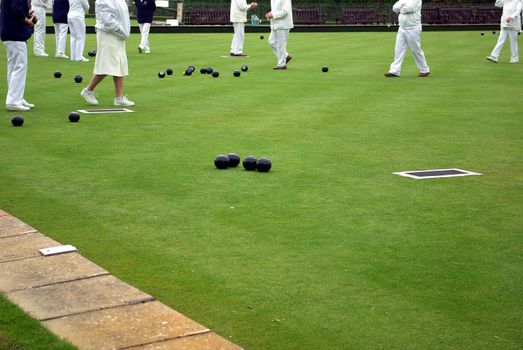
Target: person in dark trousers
x,y
144,15
60,10
17,23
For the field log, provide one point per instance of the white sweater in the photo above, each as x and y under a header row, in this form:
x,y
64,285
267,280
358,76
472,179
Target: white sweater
x,y
409,15
239,11
281,14
78,8
112,17
512,9
40,3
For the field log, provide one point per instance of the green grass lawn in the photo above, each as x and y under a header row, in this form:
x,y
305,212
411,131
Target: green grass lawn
x,y
329,250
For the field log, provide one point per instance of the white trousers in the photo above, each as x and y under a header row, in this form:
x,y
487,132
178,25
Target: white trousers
x,y
16,71
238,38
77,29
144,30
278,42
513,38
39,30
408,39
60,30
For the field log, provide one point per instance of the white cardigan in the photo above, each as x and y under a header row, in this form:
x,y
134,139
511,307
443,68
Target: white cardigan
x,y
112,17
78,8
239,10
409,15
512,9
281,14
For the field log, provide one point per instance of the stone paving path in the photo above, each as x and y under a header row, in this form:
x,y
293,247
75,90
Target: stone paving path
x,y
83,303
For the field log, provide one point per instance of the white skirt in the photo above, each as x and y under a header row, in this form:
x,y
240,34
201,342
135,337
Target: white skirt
x,y
111,58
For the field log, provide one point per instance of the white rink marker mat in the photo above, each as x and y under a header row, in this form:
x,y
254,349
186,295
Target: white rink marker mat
x,y
105,110
435,173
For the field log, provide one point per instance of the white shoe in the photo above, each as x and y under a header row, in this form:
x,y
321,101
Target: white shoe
x,y
41,54
83,59
61,55
514,61
17,108
89,97
27,104
123,102
147,51
492,59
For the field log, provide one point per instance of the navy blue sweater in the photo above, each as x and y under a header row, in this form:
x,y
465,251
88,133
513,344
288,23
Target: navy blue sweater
x,y
144,10
60,10
12,15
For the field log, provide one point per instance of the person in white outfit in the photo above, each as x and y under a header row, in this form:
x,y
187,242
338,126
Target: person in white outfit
x,y
510,27
408,37
280,17
76,22
238,17
39,8
112,29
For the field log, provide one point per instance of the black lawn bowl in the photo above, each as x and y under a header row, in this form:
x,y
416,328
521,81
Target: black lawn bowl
x,y
324,69
161,74
215,74
262,37
74,117
78,79
245,68
263,165
191,68
169,71
234,160
92,53
17,120
249,163
494,32
57,74
221,162
482,33
203,70
236,73
188,72
209,70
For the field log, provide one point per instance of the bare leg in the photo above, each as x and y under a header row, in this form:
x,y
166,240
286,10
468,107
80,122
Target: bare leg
x,y
118,86
96,79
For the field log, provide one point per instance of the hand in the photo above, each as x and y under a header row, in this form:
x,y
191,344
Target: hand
x,y
253,5
31,20
268,15
509,19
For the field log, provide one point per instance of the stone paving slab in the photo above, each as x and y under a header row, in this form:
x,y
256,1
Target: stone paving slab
x,y
125,326
205,341
74,297
9,225
24,246
80,301
45,270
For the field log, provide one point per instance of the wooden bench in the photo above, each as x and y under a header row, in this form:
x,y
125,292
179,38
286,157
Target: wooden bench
x,y
431,16
362,16
488,15
458,15
308,16
206,16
